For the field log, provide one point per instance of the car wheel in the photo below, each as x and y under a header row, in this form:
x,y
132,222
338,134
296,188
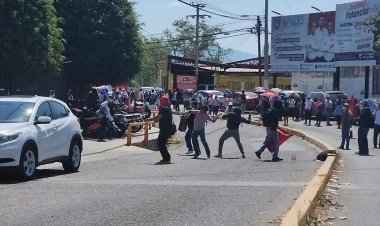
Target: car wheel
x,y
74,159
28,163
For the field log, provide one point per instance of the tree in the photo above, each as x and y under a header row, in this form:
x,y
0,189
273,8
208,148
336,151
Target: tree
x,y
103,41
31,43
376,32
182,43
153,54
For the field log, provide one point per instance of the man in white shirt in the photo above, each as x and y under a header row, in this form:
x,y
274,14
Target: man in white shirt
x,y
328,110
308,110
312,44
329,43
320,35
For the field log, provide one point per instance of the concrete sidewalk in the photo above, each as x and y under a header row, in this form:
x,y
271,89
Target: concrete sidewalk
x,y
359,180
91,146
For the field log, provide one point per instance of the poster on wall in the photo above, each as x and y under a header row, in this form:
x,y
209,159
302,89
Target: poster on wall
x,y
352,81
354,39
303,43
186,82
312,81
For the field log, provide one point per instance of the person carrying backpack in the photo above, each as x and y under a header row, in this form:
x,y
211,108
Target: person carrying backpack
x,y
270,121
233,122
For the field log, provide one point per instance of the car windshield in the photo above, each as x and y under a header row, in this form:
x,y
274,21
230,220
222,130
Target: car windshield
x,y
336,96
15,112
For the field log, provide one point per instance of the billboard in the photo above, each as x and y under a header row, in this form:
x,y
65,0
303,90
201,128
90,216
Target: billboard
x,y
303,43
354,39
186,82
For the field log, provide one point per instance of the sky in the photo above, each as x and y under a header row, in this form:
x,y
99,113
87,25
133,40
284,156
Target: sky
x,y
158,15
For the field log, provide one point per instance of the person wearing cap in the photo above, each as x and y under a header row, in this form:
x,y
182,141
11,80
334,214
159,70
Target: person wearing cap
x,y
346,125
233,122
228,108
364,123
165,119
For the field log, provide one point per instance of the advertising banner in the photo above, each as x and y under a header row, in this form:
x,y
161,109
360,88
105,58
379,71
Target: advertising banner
x,y
312,81
303,43
354,39
186,82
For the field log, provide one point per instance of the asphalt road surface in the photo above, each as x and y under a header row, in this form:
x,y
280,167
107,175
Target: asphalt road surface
x,y
123,186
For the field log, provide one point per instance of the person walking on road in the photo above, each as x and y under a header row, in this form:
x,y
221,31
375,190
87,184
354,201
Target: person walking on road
x,y
346,125
215,105
338,112
165,119
233,122
376,129
270,121
319,109
243,100
190,125
308,109
364,123
328,110
201,117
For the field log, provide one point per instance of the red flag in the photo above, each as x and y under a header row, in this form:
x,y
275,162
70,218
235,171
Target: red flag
x,y
283,136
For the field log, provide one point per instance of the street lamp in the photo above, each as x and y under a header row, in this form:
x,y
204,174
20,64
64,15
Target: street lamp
x,y
316,8
276,13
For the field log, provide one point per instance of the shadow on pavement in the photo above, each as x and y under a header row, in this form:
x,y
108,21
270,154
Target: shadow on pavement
x,y
11,177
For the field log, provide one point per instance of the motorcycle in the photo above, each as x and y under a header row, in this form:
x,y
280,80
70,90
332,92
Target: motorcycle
x,y
91,124
123,118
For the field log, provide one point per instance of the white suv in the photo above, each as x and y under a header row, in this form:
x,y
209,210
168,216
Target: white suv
x,y
38,130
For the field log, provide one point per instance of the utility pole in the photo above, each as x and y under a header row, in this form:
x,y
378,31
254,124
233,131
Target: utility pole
x,y
266,49
258,30
197,41
197,16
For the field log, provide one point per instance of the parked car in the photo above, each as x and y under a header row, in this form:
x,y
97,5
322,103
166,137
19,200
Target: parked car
x,y
334,95
291,93
38,130
217,93
252,102
206,94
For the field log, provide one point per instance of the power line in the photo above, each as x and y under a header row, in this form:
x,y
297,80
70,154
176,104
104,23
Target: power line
x,y
204,36
242,17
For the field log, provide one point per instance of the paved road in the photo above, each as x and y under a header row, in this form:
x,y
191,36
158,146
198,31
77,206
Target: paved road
x,y
122,186
360,177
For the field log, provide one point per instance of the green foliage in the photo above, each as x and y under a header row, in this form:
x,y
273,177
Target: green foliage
x,y
152,56
376,31
103,41
209,48
31,42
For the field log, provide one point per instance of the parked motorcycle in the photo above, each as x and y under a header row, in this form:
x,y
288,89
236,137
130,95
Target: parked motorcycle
x,y
91,124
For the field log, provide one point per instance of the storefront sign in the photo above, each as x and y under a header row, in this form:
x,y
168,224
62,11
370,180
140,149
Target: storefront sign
x,y
186,82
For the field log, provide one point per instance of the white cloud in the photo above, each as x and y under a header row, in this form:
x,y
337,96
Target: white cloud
x,y
174,4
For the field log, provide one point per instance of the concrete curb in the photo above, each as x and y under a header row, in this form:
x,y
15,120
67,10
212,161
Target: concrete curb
x,y
307,201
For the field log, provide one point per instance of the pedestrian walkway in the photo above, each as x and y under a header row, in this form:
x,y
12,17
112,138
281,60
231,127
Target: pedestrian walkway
x,y
359,179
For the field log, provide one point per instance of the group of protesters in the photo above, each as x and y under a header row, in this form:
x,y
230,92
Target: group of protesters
x,y
196,118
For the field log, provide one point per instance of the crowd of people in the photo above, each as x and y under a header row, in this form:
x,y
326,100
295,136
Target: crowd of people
x,y
200,109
